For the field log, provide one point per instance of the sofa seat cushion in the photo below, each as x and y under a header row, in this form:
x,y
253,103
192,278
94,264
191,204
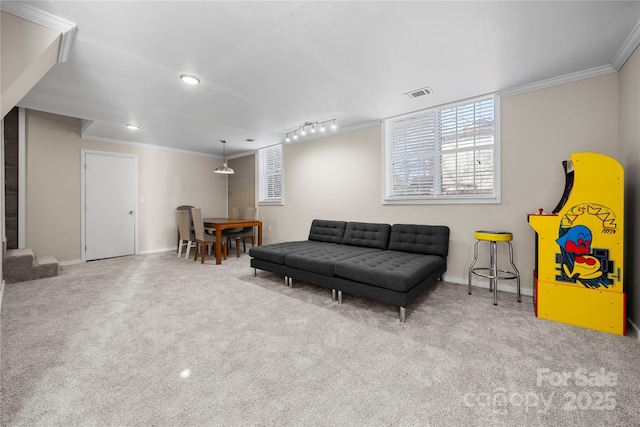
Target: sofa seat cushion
x,y
276,252
397,271
322,257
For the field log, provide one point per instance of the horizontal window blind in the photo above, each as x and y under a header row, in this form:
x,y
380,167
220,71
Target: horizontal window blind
x,y
445,152
271,182
410,149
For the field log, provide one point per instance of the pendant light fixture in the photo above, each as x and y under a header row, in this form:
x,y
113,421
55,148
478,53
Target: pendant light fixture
x,y
224,168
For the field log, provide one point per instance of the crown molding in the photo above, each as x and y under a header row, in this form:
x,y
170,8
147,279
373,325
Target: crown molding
x,y
560,80
147,146
627,48
65,28
331,133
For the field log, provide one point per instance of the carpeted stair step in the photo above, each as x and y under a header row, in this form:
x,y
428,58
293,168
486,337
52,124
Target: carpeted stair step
x,y
20,265
46,266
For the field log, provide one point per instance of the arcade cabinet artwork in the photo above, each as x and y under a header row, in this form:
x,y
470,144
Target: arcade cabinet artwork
x,y
580,248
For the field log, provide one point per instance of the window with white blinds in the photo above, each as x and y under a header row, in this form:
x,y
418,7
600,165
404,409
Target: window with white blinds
x,y
271,181
448,153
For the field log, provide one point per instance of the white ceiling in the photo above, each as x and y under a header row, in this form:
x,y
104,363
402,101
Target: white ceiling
x,y
268,67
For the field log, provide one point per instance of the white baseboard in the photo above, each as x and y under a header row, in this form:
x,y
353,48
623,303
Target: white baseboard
x,y
157,251
503,285
72,262
153,251
632,329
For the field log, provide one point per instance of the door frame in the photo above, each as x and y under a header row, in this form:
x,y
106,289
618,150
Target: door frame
x,y
83,170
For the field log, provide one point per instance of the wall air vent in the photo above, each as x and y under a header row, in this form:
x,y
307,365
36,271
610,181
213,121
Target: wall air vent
x,y
419,92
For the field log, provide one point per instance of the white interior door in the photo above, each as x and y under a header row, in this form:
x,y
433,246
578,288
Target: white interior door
x,y
110,190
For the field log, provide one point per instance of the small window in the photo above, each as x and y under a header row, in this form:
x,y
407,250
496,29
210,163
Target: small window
x,y
271,182
445,154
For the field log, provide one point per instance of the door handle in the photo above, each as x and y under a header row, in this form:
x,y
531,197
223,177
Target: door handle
x,y
130,212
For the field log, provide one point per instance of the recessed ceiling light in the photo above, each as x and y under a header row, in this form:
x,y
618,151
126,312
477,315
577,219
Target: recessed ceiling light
x,y
189,79
132,126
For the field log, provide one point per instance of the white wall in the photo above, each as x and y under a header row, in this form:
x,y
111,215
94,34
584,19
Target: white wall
x,y
340,177
166,179
28,51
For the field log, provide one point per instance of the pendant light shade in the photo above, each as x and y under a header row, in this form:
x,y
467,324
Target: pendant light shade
x,y
224,169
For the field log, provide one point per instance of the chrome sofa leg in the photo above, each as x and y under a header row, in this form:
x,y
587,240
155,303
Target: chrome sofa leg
x,y
255,272
339,297
403,314
334,295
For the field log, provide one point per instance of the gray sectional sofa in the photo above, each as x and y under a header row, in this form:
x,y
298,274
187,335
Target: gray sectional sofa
x,y
390,264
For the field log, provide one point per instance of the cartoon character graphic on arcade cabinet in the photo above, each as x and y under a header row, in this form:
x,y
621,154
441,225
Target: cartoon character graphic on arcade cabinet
x,y
577,261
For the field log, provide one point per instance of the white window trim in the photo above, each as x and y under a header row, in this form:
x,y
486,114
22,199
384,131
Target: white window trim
x,y
453,199
261,202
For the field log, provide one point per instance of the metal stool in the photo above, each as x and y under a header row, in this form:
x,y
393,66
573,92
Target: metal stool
x,y
493,272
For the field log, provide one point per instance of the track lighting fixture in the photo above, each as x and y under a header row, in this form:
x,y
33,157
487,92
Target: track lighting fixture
x,y
310,128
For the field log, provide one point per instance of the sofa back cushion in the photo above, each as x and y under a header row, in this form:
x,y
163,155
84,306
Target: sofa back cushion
x,y
327,231
367,235
420,239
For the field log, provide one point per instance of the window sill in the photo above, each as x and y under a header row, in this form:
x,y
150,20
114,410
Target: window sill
x,y
444,201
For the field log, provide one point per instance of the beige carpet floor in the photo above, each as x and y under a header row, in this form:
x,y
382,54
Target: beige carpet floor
x,y
154,340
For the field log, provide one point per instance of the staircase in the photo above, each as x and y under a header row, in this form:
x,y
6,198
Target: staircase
x,y
20,265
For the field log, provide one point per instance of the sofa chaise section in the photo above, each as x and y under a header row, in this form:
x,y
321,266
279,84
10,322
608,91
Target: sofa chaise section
x,y
316,265
414,260
272,257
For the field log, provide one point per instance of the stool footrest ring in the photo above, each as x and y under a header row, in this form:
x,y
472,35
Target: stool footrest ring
x,y
510,274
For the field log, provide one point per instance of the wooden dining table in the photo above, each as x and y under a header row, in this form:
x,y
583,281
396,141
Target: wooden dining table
x,y
220,224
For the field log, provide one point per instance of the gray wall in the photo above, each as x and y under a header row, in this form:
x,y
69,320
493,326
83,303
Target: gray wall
x,y
629,133
242,184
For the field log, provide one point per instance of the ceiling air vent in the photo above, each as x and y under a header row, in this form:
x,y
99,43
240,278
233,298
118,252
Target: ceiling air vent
x,y
419,92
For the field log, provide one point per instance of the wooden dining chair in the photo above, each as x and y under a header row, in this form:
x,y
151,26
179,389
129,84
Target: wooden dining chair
x,y
246,232
234,212
187,209
185,234
203,240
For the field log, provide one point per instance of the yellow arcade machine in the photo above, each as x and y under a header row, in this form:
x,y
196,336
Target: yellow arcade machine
x,y
580,248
